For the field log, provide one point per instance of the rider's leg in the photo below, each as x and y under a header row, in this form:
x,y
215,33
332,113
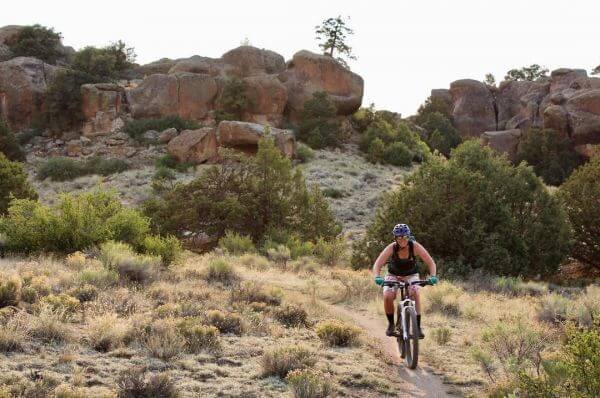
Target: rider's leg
x,y
415,293
389,295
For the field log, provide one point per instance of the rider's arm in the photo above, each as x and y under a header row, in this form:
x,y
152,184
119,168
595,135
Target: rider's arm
x,y
427,259
383,257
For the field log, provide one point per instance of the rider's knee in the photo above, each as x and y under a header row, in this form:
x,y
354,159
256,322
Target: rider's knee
x,y
389,295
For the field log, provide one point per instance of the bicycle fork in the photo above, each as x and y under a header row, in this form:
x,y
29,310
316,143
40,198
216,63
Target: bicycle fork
x,y
405,304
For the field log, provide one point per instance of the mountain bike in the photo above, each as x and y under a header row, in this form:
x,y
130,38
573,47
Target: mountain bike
x,y
407,330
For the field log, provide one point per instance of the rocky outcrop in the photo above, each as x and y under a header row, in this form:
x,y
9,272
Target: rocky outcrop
x,y
267,98
251,61
567,101
505,141
23,83
194,146
473,107
101,105
308,73
245,136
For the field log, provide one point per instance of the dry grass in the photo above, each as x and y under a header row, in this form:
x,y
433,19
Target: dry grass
x,y
108,332
283,360
336,333
163,339
14,333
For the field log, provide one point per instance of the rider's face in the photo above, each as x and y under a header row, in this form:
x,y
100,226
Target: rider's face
x,y
402,240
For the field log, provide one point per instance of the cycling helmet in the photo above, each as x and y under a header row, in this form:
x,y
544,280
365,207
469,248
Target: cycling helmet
x,y
401,230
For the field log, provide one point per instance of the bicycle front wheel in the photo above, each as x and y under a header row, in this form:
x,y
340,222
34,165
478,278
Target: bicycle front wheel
x,y
399,329
411,344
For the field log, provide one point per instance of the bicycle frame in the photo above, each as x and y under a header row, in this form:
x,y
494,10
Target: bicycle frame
x,y
405,301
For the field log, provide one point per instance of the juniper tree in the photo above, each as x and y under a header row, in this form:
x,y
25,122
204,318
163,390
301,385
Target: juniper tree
x,y
332,35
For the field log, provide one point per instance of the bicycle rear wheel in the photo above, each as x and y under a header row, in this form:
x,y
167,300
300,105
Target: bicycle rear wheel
x,y
411,344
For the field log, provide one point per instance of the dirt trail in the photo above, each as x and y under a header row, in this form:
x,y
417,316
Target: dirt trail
x,y
421,383
415,383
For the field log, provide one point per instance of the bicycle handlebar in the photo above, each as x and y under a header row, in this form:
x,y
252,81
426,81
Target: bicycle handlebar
x,y
403,284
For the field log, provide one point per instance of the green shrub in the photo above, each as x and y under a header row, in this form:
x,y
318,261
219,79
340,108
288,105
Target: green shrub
x,y
130,266
478,209
304,153
318,125
10,292
334,193
257,195
219,270
398,154
163,340
9,145
136,128
554,308
85,293
439,132
36,41
233,101
169,162
431,106
580,195
331,252
291,315
108,62
552,156
62,303
199,337
253,292
13,183
280,254
99,277
292,241
63,103
283,360
308,383
337,333
237,244
76,222
168,248
64,169
226,322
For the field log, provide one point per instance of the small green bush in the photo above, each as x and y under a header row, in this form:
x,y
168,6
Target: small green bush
x,y
219,270
99,277
334,193
554,308
10,291
281,361
108,62
233,101
136,128
237,244
65,169
552,157
331,252
580,196
292,241
280,254
169,162
318,125
435,118
130,266
398,154
9,145
254,292
13,184
168,248
85,293
226,322
75,223
337,333
291,315
133,383
308,383
36,41
63,103
62,303
199,337
304,153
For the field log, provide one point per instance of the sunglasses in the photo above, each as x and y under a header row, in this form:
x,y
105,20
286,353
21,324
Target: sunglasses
x,y
405,237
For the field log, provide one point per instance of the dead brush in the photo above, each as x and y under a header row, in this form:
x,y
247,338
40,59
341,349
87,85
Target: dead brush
x,y
135,383
14,333
281,361
163,340
107,332
255,292
48,326
356,286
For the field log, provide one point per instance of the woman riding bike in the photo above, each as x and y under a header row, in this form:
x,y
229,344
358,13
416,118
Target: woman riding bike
x,y
402,267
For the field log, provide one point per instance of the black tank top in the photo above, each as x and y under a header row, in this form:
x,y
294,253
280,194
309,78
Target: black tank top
x,y
403,266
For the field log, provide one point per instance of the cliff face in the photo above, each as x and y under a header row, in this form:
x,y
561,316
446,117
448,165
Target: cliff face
x,y
567,101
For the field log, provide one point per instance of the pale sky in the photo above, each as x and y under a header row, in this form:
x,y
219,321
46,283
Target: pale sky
x,y
404,48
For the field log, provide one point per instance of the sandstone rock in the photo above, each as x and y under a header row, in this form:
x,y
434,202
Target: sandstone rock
x,y
5,53
245,136
564,78
85,141
531,107
101,104
584,117
23,83
508,100
161,66
473,105
189,95
556,117
308,73
151,135
74,148
251,61
594,82
196,146
505,141
442,94
198,64
167,135
267,97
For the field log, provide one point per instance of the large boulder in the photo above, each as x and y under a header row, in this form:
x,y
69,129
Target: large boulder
x,y
505,141
162,66
556,118
101,105
308,73
194,146
564,78
189,95
5,53
198,64
584,117
245,136
23,84
267,98
473,105
508,100
251,61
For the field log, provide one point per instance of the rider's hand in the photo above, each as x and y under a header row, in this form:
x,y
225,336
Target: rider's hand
x,y
379,280
433,279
